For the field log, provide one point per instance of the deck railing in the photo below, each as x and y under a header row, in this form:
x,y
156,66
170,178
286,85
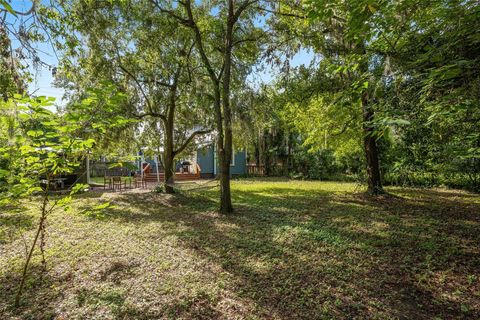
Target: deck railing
x,y
145,168
255,170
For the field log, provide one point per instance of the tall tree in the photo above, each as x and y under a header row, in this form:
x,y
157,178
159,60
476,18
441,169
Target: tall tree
x,y
220,29
20,30
146,55
344,34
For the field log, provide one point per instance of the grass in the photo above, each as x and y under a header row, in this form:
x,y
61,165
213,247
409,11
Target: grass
x,y
292,250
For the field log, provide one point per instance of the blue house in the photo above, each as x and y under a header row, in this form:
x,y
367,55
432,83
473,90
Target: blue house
x,y
201,164
207,160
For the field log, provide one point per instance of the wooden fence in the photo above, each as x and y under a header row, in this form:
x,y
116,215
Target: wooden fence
x,y
254,170
259,170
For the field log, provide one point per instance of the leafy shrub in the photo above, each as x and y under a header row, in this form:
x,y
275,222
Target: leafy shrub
x,y
314,165
159,189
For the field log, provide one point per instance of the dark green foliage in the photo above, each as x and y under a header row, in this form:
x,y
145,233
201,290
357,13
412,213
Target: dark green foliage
x,y
439,95
314,165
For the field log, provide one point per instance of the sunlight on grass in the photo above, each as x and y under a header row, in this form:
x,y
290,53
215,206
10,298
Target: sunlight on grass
x,y
293,249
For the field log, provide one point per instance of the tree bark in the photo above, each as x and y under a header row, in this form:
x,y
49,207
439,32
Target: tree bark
x,y
168,152
223,112
169,177
257,154
289,154
225,193
371,150
266,153
225,152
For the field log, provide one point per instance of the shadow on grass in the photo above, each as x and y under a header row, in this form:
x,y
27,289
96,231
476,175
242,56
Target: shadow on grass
x,y
37,298
13,223
310,254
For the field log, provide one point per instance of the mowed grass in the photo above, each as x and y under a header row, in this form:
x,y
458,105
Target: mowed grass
x,y
292,250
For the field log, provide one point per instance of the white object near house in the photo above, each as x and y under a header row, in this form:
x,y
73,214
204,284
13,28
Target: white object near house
x,y
141,165
155,157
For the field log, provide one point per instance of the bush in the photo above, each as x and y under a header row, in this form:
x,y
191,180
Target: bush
x,y
314,165
445,175
159,189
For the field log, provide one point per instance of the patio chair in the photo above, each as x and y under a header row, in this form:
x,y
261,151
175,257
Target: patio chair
x,y
107,180
117,182
139,181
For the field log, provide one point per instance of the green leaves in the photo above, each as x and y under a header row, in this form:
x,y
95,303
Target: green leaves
x,y
43,147
98,211
7,6
35,133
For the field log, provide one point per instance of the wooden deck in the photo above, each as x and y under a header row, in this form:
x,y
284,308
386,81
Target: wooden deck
x,y
180,176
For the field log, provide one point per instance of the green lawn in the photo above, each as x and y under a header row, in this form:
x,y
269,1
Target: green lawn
x,y
293,250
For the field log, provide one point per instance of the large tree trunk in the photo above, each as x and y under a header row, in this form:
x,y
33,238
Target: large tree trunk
x,y
371,150
169,153
225,193
225,153
223,156
223,112
225,159
169,178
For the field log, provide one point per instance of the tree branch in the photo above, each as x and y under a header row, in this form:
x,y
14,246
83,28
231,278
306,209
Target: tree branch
x,y
138,84
150,114
293,15
344,128
26,13
185,22
199,41
190,138
160,83
235,43
242,8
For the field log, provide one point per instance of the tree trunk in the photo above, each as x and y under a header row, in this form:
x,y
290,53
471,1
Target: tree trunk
x,y
40,229
225,151
289,154
169,178
257,155
371,150
169,154
225,193
266,153
223,112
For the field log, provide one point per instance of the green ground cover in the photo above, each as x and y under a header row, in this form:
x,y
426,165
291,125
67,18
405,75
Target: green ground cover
x,y
292,250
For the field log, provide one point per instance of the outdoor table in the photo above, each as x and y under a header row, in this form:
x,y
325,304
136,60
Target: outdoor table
x,y
60,181
54,182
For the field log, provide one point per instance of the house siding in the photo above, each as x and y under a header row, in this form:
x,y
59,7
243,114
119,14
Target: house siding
x,y
205,159
240,161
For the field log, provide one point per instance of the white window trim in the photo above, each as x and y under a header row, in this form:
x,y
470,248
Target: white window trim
x,y
214,160
232,162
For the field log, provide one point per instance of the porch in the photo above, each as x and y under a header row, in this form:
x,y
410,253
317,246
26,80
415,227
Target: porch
x,y
151,173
